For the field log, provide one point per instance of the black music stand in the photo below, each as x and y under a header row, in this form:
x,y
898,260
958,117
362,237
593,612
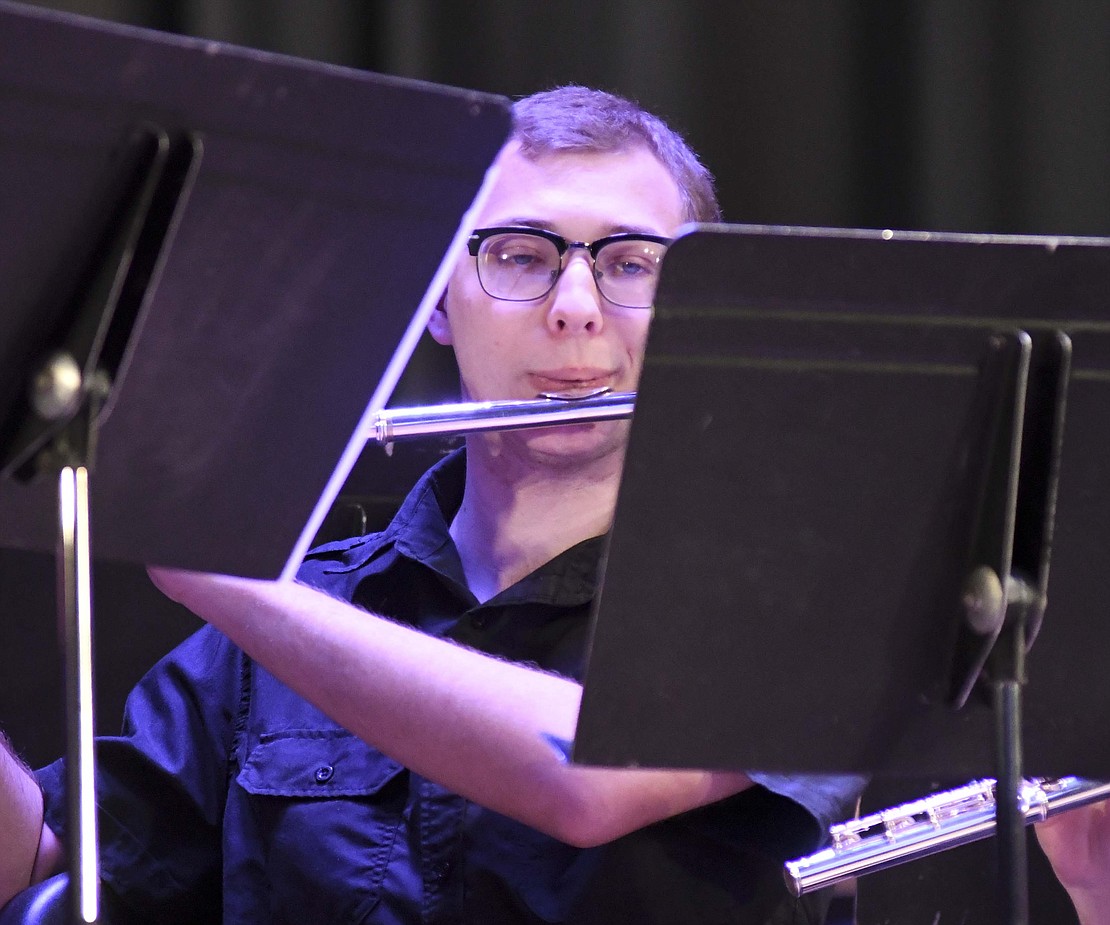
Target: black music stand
x,y
211,256
835,431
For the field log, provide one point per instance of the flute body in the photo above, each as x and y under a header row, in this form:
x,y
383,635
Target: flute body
x,y
923,827
473,417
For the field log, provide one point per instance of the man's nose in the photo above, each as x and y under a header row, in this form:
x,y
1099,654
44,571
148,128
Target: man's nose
x,y
576,301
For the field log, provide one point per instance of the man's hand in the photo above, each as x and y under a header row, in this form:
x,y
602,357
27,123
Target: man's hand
x,y
1077,844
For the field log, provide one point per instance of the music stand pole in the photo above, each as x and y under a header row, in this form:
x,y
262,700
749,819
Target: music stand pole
x,y
56,390
1013,864
75,616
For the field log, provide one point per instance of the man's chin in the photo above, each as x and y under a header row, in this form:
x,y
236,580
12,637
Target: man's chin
x,y
569,445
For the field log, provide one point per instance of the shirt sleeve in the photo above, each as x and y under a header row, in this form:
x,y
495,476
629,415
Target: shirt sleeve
x,y
161,785
827,798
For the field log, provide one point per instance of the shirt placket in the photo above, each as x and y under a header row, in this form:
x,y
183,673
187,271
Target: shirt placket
x,y
442,815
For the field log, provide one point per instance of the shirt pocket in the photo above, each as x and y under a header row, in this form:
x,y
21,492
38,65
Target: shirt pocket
x,y
325,809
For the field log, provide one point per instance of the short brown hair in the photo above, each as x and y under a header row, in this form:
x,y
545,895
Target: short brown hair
x,y
574,118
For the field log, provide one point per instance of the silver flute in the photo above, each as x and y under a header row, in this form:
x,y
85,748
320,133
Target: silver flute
x,y
935,823
471,417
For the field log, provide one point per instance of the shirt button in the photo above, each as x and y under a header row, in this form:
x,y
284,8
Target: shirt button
x,y
324,774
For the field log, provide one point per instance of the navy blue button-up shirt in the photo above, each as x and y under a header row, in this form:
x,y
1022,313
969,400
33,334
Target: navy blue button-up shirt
x,y
228,797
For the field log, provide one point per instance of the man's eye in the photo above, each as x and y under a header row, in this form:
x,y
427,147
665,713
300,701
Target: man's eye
x,y
633,268
522,258
517,258
630,265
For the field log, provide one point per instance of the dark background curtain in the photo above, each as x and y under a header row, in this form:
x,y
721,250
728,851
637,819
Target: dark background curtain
x,y
988,116
935,114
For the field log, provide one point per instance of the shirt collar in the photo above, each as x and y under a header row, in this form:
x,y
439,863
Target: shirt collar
x,y
421,531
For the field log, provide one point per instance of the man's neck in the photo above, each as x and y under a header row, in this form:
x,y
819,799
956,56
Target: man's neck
x,y
516,516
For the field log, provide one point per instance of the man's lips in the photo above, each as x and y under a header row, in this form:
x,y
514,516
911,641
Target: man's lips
x,y
572,383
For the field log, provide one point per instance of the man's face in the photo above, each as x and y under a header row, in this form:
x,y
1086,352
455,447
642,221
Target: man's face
x,y
573,340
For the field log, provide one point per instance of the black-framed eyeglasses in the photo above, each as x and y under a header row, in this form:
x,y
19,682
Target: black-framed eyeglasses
x,y
523,264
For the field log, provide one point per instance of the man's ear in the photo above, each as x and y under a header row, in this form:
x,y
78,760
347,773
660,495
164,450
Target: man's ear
x,y
439,325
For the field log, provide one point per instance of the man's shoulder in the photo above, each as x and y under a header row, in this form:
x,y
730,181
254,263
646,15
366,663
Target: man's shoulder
x,y
349,549
420,527
330,566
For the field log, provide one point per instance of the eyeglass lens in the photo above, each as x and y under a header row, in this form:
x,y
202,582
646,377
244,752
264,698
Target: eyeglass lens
x,y
518,266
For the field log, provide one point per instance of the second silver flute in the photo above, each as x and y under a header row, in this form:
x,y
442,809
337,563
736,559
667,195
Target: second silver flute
x,y
471,417
923,827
